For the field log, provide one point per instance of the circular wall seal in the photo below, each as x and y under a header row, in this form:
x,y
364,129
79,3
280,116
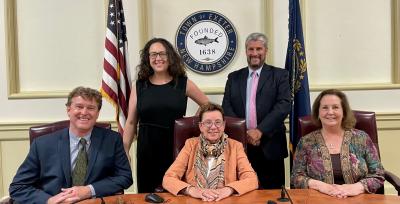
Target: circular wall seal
x,y
206,41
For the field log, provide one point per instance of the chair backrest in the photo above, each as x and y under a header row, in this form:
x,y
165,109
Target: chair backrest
x,y
40,130
186,128
366,121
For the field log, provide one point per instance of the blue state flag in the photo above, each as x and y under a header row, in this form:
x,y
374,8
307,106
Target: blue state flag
x,y
296,64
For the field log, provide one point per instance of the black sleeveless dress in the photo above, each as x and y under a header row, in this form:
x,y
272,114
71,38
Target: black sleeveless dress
x,y
158,106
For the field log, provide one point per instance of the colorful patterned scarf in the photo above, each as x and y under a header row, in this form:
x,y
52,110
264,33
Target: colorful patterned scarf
x,y
215,179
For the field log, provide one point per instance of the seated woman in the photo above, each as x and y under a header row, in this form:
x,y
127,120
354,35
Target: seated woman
x,y
337,159
212,166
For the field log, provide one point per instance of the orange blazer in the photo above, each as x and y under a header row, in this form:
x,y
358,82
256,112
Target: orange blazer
x,y
238,172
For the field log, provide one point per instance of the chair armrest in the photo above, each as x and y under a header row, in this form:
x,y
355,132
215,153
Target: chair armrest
x,y
394,180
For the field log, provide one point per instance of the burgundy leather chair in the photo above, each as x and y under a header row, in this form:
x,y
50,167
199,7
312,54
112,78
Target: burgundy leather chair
x,y
186,128
40,130
366,121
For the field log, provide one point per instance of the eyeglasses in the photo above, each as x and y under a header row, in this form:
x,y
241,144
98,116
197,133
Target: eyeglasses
x,y
153,55
209,123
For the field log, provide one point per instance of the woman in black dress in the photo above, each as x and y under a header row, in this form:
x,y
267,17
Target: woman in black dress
x,y
159,98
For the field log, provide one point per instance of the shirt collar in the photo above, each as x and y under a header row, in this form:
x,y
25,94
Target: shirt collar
x,y
258,71
75,139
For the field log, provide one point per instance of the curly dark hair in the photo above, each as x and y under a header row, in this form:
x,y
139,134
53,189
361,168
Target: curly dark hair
x,y
348,120
176,67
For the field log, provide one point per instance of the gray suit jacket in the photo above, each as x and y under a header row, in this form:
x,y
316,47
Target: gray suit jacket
x,y
272,106
47,168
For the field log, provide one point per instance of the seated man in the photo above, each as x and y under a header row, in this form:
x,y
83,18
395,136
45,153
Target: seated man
x,y
75,163
212,166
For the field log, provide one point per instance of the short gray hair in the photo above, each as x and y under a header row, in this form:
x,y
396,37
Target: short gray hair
x,y
257,37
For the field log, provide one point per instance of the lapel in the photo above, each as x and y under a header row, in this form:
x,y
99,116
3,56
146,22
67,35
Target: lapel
x,y
96,140
243,85
226,168
347,167
64,152
264,75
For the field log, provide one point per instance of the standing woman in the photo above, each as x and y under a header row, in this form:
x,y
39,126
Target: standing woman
x,y
159,98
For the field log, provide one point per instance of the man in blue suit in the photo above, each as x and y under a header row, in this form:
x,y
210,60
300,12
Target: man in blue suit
x,y
261,94
75,163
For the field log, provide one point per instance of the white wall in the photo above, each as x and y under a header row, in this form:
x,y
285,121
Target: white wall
x,y
348,45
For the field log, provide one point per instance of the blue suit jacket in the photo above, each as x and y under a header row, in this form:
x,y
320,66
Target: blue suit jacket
x,y
47,168
272,106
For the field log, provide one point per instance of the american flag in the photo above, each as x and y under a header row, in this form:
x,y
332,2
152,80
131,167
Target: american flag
x,y
116,82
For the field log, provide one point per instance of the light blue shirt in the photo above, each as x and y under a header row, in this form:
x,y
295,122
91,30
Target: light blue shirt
x,y
74,147
248,92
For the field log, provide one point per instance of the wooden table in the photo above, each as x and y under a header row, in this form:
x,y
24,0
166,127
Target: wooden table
x,y
299,196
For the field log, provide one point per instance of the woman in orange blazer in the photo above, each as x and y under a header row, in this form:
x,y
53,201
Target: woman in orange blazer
x,y
212,166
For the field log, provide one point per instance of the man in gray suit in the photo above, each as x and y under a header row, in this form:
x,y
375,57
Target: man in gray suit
x,y
74,163
261,94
